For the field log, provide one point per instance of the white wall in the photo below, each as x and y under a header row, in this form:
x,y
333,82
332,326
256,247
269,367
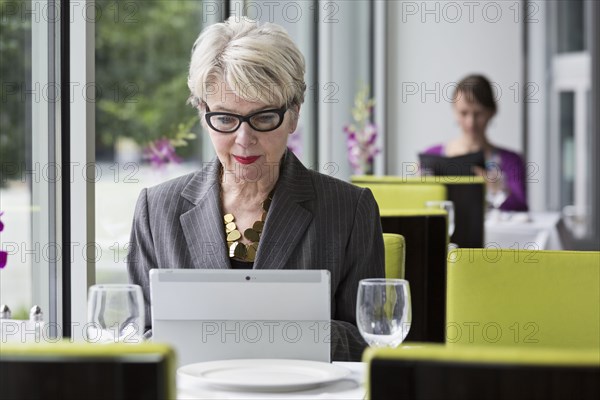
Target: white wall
x,y
538,143
342,49
298,18
343,67
431,46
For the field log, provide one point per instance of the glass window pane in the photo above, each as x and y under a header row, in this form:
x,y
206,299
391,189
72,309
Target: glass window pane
x,y
591,176
567,146
571,26
143,125
16,158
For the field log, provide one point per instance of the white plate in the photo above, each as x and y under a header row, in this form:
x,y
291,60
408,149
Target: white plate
x,y
269,375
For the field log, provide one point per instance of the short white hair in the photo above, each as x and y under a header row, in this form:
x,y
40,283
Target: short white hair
x,y
260,63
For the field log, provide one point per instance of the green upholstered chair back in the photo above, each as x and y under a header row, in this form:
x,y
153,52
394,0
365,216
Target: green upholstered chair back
x,y
466,192
67,370
428,179
395,251
393,196
523,298
433,371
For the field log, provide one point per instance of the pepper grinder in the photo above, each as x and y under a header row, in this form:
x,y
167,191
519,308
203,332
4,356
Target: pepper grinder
x,y
35,314
36,317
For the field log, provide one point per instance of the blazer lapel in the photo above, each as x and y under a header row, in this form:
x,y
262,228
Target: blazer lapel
x,y
288,218
203,224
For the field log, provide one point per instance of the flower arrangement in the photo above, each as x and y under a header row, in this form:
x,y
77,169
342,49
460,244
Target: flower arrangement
x,y
3,254
162,151
362,134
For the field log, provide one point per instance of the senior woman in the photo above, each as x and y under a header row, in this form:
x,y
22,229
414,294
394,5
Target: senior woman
x,y
255,205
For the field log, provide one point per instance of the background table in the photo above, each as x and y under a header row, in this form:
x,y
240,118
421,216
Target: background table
x,y
526,231
352,387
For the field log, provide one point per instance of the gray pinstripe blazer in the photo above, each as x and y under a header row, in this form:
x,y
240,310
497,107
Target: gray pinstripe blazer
x,y
314,222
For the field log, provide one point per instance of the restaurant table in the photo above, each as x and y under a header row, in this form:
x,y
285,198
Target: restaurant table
x,y
351,387
524,231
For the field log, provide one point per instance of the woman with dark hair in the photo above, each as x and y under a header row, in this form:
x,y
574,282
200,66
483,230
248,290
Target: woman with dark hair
x,y
474,107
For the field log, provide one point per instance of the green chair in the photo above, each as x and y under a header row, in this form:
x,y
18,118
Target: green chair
x,y
523,298
395,252
67,370
394,196
435,371
466,192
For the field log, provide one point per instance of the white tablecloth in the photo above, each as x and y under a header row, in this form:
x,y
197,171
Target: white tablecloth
x,y
352,387
523,231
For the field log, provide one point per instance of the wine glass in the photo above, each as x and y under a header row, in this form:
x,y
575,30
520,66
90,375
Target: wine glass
x,y
448,206
383,311
115,313
495,189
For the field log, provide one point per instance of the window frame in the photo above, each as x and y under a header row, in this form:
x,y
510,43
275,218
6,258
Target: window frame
x,y
570,72
46,149
79,273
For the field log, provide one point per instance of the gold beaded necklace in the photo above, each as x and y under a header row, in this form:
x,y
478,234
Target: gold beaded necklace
x,y
237,249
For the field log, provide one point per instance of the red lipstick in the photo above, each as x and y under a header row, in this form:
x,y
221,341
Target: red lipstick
x,y
246,160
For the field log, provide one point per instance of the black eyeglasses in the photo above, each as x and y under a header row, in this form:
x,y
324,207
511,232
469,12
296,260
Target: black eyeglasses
x,y
261,121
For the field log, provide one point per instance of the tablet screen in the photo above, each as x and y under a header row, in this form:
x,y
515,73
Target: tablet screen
x,y
433,164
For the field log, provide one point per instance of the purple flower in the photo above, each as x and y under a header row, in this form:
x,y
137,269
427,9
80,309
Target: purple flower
x,y
361,136
161,152
361,147
3,254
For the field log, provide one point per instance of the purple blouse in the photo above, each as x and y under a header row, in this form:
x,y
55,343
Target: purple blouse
x,y
511,169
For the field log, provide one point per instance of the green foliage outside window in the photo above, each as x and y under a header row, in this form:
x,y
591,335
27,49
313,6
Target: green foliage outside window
x,y
142,55
15,74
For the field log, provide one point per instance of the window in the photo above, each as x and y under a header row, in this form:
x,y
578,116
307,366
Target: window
x,y
570,26
30,162
570,125
144,128
127,100
567,146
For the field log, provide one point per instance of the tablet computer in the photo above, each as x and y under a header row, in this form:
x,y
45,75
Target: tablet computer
x,y
433,164
211,314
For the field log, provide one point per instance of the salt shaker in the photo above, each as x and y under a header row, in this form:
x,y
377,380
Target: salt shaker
x,y
5,312
36,318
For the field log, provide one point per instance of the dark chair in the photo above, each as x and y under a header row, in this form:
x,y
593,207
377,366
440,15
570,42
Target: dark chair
x,y
493,373
425,234
87,371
